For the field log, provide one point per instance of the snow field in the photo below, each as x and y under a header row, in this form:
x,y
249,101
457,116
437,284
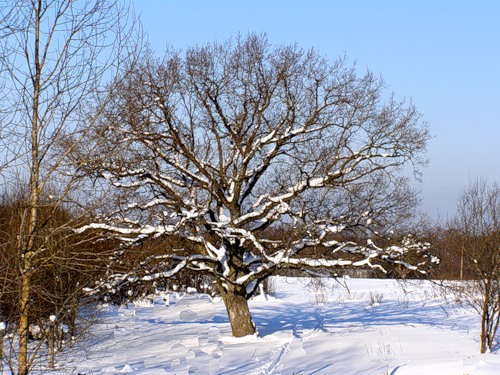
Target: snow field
x,y
366,326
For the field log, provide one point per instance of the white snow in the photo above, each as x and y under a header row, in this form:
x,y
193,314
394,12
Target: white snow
x,y
371,327
336,228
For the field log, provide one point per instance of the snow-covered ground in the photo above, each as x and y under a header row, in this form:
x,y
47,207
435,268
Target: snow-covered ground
x,y
370,327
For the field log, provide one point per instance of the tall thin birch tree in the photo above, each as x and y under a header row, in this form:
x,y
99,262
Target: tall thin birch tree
x,y
55,56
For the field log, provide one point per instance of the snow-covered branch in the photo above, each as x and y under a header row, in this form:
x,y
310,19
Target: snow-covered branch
x,y
258,158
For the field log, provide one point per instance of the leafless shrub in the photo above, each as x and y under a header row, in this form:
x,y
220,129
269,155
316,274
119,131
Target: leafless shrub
x,y
318,291
270,286
375,298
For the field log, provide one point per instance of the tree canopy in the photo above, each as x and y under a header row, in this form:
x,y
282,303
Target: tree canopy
x,y
253,154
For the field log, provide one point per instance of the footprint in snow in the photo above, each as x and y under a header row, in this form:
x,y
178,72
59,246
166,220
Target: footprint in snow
x,y
188,315
203,340
298,332
213,335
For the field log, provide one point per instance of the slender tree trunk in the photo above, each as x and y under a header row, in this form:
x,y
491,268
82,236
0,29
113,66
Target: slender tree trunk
x,y
31,227
51,344
26,272
485,320
483,335
2,336
239,313
23,328
72,320
462,264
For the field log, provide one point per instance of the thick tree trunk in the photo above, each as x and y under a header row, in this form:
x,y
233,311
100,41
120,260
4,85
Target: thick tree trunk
x,y
239,314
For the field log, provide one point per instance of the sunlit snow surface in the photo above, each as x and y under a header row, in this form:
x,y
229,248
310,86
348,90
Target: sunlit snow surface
x,y
371,327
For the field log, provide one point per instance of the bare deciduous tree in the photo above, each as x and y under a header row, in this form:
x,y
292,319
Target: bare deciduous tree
x,y
55,56
475,237
254,155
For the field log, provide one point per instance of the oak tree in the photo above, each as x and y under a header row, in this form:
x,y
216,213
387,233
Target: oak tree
x,y
253,155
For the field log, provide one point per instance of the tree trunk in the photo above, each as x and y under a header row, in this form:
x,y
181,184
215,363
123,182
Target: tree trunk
x,y
2,335
483,343
72,321
51,344
34,197
484,329
239,313
23,328
485,321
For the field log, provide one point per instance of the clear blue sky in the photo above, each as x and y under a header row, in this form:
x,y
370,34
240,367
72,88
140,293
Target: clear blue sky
x,y
445,55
